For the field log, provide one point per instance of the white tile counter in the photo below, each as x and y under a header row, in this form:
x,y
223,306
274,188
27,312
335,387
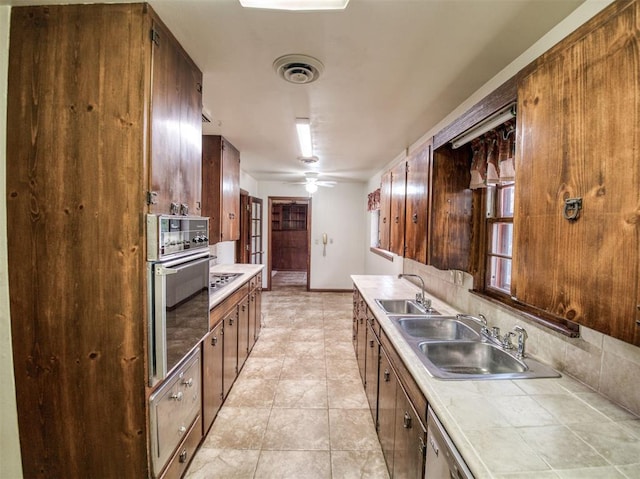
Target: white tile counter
x,y
534,428
246,270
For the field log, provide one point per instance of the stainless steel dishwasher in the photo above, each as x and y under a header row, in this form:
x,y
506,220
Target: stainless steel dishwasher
x,y
443,459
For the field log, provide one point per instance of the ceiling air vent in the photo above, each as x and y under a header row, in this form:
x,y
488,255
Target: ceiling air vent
x,y
296,68
308,160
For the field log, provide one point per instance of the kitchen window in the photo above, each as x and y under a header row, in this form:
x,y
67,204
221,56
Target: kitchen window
x,y
499,216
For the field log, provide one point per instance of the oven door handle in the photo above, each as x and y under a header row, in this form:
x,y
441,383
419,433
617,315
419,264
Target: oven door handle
x,y
161,270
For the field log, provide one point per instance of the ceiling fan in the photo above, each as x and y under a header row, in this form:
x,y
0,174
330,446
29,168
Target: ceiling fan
x,y
311,182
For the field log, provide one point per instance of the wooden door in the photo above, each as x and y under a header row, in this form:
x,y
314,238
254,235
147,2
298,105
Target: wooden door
x,y
385,212
230,192
410,439
417,201
372,361
450,228
387,391
256,252
243,246
212,374
243,331
398,196
230,345
578,116
176,108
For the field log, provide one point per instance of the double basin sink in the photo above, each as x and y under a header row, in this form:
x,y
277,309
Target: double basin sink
x,y
457,347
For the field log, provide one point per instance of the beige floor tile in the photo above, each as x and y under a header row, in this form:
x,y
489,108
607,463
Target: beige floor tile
x,y
352,429
316,335
346,394
237,428
268,349
294,465
303,368
358,465
256,393
301,394
333,315
332,334
307,323
305,349
223,464
344,369
262,368
297,430
339,349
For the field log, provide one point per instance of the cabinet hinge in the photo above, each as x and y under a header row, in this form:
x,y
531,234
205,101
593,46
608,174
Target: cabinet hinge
x,y
152,197
406,167
199,87
422,447
155,36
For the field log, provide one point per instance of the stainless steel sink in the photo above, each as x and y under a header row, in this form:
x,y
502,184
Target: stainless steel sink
x,y
438,328
404,307
477,360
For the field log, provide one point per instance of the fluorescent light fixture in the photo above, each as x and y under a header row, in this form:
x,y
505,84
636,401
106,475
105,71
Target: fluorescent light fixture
x,y
296,4
484,126
311,187
303,126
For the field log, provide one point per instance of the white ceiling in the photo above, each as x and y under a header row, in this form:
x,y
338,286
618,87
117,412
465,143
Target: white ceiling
x,y
393,70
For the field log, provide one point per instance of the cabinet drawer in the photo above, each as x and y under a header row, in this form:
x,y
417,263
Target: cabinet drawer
x,y
221,309
256,281
173,408
184,454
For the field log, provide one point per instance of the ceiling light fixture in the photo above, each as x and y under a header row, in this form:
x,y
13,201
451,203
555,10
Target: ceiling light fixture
x,y
488,124
303,127
311,187
296,4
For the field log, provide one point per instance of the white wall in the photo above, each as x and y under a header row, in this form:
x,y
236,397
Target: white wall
x,y
10,463
336,211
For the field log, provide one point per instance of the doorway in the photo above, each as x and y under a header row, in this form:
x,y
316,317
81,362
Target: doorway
x,y
249,248
289,226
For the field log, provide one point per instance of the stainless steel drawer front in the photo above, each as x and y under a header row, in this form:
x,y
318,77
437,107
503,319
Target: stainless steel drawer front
x,y
173,408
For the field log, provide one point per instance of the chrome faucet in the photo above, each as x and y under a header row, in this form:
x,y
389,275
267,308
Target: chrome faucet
x,y
522,337
506,340
420,299
480,318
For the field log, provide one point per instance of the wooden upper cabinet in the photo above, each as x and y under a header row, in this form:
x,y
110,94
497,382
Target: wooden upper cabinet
x,y
451,211
384,223
176,127
221,188
417,201
578,137
398,196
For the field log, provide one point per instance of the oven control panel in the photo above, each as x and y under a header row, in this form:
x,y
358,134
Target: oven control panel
x,y
170,236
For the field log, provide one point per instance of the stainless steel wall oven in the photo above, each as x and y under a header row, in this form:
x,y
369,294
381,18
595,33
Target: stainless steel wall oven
x,y
178,282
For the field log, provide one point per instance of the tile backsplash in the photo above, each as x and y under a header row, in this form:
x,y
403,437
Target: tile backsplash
x,y
605,364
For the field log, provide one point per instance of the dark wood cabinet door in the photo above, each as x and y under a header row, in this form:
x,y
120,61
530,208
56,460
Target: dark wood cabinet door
x,y
243,331
230,194
176,116
212,374
361,353
385,211
410,438
372,361
451,211
398,208
578,117
230,345
387,391
417,201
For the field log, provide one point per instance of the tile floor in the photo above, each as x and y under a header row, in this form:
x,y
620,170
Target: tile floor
x,y
298,408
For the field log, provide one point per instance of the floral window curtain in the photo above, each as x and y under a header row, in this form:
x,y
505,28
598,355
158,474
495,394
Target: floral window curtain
x,y
492,158
374,201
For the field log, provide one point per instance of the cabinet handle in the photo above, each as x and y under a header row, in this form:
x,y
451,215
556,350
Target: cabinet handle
x,y
231,321
174,208
184,209
183,456
414,218
384,220
407,421
371,343
387,376
232,216
214,340
397,219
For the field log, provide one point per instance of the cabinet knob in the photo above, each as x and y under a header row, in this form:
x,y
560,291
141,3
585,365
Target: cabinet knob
x,y
407,421
188,382
414,218
184,209
214,340
174,208
177,396
387,376
183,456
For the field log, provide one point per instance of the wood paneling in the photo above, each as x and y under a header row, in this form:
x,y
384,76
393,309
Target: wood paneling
x,y
385,211
417,202
578,116
398,208
289,250
176,108
451,214
78,76
221,188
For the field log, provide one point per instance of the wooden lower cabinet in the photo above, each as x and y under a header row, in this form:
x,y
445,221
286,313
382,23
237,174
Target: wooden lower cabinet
x,y
243,331
387,388
230,347
212,374
410,439
255,311
371,372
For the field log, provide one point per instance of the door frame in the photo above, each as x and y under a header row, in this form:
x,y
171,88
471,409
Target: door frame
x,y
288,199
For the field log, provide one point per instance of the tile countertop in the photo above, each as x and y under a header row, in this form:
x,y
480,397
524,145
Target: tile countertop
x,y
246,270
534,428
